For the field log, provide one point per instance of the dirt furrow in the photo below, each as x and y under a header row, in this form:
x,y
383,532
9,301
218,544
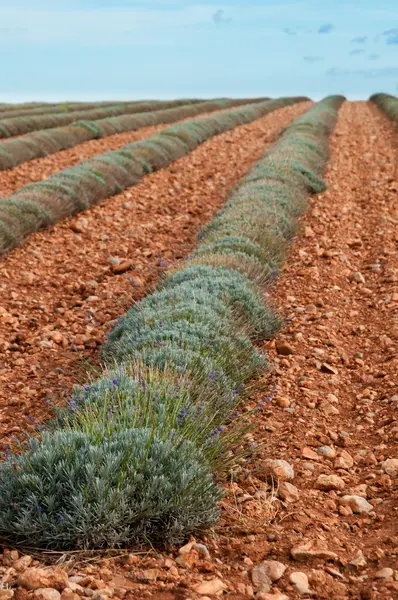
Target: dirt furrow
x,y
60,290
334,415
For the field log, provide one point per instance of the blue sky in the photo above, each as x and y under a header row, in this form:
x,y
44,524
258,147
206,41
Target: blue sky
x,y
121,49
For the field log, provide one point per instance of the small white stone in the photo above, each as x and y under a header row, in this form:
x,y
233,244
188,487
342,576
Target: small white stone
x,y
308,466
327,451
359,560
268,569
390,466
357,504
280,469
385,573
358,277
300,582
47,594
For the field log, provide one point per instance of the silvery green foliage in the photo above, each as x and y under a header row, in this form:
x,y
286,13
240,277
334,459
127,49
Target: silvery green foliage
x,y
203,370
231,288
388,104
74,489
235,244
204,285
18,125
150,398
132,455
230,351
273,195
258,273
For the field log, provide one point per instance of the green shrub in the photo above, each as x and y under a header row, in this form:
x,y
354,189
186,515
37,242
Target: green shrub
x,y
73,489
388,104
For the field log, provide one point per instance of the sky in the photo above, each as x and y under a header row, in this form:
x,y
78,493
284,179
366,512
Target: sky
x,y
57,50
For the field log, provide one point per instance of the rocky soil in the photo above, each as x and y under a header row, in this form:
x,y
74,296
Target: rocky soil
x,y
61,290
315,514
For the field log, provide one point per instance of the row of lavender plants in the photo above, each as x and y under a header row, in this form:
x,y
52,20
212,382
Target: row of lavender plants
x,y
67,192
136,455
388,104
48,141
61,107
16,108
19,125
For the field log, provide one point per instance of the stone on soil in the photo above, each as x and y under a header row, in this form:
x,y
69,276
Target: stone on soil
x,y
327,368
214,586
35,578
384,573
390,466
309,453
300,582
360,490
288,492
69,594
308,551
23,563
344,460
358,277
328,409
357,504
46,594
280,469
269,570
283,348
330,482
359,560
326,451
118,269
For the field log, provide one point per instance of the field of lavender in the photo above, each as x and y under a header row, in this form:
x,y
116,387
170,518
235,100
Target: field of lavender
x,y
143,343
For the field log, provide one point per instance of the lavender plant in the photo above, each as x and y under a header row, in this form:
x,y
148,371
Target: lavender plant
x,y
388,104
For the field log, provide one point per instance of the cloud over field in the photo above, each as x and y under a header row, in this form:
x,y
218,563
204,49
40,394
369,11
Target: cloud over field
x,y
326,28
